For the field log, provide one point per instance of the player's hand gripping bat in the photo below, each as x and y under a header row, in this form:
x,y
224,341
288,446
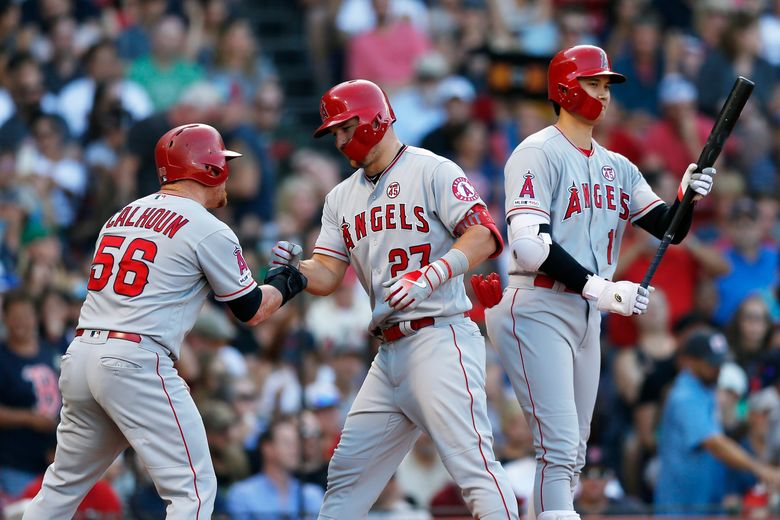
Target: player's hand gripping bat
x,y
727,118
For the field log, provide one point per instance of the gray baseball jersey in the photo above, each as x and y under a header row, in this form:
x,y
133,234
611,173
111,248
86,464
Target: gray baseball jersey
x,y
403,223
433,379
548,336
156,261
587,200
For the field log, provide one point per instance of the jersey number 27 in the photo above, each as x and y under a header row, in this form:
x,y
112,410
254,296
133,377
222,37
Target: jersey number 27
x,y
133,273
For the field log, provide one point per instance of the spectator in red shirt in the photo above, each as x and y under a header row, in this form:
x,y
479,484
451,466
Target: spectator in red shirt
x,y
101,501
678,138
387,53
682,269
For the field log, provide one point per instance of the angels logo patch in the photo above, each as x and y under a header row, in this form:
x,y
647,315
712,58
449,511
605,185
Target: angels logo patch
x,y
463,190
393,190
608,172
242,265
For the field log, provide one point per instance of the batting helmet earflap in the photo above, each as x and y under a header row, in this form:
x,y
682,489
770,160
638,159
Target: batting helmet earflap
x,y
576,62
194,151
362,99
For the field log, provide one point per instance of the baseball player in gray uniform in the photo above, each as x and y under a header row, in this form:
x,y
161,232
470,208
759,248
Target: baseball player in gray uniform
x,y
410,224
568,201
156,261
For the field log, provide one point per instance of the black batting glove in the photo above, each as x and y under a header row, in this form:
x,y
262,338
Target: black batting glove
x,y
288,280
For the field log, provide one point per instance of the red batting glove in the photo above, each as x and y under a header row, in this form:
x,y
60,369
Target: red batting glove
x,y
487,288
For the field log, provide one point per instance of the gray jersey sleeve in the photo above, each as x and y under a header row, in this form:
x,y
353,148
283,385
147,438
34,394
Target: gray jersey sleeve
x,y
528,182
222,261
643,199
453,194
332,233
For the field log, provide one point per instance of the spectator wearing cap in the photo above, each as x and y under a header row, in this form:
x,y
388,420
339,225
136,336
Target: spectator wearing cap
x,y
753,264
227,454
418,107
676,140
692,445
731,388
274,494
322,398
599,491
212,333
457,95
761,406
770,379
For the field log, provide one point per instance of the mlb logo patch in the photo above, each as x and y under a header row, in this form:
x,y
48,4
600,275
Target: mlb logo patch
x,y
608,172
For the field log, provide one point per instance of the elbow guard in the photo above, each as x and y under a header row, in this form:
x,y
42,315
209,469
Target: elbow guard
x,y
530,244
530,251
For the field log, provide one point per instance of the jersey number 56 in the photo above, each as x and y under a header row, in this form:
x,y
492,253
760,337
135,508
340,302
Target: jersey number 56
x,y
133,273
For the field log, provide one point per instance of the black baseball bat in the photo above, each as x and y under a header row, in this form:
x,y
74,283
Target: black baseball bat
x,y
727,118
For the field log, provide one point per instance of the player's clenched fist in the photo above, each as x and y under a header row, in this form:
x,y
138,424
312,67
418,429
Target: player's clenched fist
x,y
286,253
487,288
287,280
625,298
700,182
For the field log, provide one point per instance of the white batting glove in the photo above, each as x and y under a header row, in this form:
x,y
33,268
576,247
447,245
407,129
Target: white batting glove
x,y
409,290
700,182
624,298
286,253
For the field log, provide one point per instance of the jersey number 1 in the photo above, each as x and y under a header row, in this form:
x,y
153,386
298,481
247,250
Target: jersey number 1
x,y
124,284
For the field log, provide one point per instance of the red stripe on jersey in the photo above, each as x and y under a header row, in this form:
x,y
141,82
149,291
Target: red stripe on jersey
x,y
474,422
389,166
250,286
543,212
181,432
330,251
655,202
531,397
586,153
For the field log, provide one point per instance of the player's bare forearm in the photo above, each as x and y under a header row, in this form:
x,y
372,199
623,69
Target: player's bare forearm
x,y
14,417
477,243
709,258
729,452
270,302
324,274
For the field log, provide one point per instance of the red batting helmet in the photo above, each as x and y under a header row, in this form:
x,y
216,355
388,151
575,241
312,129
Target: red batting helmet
x,y
362,99
194,152
575,62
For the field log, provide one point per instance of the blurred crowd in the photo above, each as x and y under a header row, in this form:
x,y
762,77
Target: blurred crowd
x,y
88,86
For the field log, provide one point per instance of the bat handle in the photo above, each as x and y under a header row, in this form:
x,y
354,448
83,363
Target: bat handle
x,y
659,254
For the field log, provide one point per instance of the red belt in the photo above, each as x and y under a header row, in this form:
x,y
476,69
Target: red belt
x,y
395,333
548,282
127,336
